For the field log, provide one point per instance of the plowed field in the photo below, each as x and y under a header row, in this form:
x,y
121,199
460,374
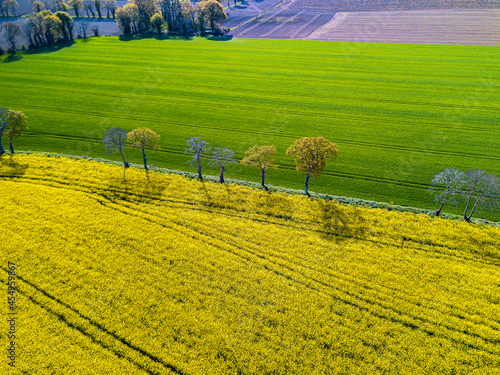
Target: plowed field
x,y
475,27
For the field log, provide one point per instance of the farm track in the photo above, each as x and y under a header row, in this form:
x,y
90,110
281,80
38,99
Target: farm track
x,y
376,297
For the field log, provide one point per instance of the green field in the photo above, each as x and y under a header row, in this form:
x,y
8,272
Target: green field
x,y
398,113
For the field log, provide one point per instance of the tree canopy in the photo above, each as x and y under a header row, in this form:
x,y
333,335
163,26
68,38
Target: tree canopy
x,y
143,138
311,155
262,157
17,124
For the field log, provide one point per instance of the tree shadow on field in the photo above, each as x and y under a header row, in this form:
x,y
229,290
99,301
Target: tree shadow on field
x,y
337,226
153,187
36,51
119,189
9,167
223,38
128,38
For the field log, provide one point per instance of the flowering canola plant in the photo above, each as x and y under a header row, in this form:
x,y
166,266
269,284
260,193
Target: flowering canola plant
x,y
140,272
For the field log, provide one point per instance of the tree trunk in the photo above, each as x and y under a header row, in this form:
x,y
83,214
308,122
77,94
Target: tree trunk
x,y
2,151
12,151
199,169
263,176
467,206
221,178
472,211
76,12
107,10
442,204
144,158
87,10
99,12
93,14
307,183
123,158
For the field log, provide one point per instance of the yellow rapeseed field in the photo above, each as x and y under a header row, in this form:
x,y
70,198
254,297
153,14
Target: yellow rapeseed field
x,y
128,272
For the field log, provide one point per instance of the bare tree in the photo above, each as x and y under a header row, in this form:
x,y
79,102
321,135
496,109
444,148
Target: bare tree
x,y
220,158
95,29
87,5
481,187
98,5
12,33
82,28
198,148
116,140
110,6
446,184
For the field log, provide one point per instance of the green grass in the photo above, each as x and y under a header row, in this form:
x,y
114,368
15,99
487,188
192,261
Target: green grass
x,y
398,113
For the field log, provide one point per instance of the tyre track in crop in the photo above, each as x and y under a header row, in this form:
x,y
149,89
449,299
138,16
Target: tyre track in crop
x,y
64,318
255,249
220,102
278,269
283,270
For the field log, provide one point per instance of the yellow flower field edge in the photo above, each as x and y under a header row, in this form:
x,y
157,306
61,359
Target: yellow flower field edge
x,y
135,272
356,202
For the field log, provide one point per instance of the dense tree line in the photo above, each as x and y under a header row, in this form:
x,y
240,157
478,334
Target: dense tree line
x,y
176,17
8,8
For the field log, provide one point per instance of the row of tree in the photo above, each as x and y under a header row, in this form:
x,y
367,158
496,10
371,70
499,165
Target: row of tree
x,y
475,187
177,17
310,153
45,29
8,7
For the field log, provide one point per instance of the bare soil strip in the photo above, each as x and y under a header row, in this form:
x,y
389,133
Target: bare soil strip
x,y
388,5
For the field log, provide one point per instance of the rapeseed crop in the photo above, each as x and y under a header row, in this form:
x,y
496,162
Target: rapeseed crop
x,y
140,272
